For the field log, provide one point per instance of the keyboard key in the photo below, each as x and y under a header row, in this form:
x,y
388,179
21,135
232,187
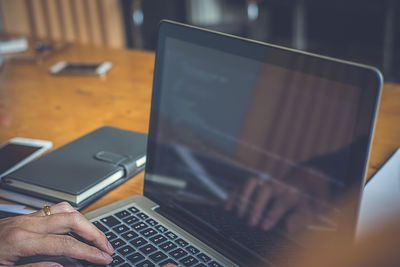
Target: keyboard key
x,y
167,246
158,256
200,265
146,263
214,264
192,249
133,209
178,253
169,261
129,235
135,257
116,260
142,216
139,226
110,221
151,222
126,250
125,265
148,232
120,229
157,239
188,261
117,243
203,257
161,228
171,235
138,242
100,226
122,214
148,249
110,236
130,220
181,242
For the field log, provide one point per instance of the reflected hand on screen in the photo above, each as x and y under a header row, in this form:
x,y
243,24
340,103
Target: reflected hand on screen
x,y
267,203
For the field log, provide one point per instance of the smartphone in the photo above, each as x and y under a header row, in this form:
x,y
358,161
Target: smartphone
x,y
19,151
65,68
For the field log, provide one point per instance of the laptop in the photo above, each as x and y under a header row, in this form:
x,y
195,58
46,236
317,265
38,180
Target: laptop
x,y
250,146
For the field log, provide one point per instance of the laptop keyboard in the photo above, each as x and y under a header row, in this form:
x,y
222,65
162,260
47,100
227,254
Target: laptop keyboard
x,y
140,240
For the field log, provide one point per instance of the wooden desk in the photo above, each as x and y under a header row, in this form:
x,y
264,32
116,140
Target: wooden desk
x,y
61,109
387,130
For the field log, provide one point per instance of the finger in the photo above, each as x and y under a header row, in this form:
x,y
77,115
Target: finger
x,y
277,211
231,200
61,207
70,222
244,199
42,264
262,200
298,219
57,245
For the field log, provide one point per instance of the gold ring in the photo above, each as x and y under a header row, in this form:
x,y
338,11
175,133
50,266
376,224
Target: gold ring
x,y
46,210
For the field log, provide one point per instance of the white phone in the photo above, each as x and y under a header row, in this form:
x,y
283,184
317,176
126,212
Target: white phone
x,y
19,151
66,68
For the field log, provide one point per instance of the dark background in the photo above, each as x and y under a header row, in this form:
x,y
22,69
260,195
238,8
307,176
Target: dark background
x,y
365,31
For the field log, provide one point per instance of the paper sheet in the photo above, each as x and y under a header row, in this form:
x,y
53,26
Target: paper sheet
x,y
381,197
19,209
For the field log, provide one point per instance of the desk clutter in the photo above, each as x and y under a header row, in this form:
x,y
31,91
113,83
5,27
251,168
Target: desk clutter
x,y
80,171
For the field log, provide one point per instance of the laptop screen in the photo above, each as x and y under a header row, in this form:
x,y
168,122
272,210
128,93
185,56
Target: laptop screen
x,y
255,142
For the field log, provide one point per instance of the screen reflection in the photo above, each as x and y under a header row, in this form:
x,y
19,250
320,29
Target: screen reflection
x,y
255,150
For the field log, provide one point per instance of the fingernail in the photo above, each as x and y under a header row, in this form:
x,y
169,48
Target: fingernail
x,y
253,220
106,256
110,246
267,224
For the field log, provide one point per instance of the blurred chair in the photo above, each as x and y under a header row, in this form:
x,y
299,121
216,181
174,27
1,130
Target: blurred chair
x,y
96,22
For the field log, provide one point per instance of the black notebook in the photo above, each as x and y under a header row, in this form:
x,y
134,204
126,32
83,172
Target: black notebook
x,y
84,169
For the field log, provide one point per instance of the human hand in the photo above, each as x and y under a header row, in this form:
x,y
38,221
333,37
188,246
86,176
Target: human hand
x,y
38,234
266,203
290,201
